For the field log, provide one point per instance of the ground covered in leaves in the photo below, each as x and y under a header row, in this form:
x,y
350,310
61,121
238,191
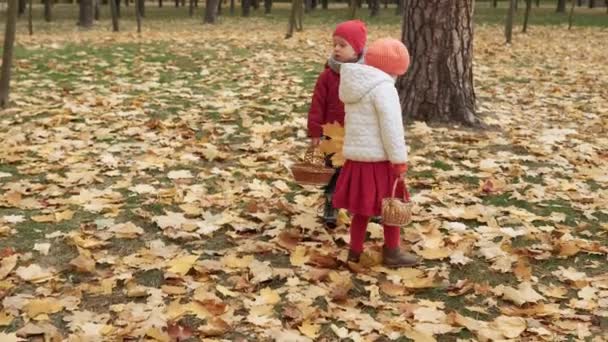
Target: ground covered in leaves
x,y
146,193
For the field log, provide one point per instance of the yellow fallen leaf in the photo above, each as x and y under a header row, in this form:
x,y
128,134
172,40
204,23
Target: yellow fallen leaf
x,y
5,319
226,292
418,336
7,265
181,265
510,327
310,329
83,263
233,261
298,256
64,216
523,294
43,306
34,273
158,335
173,290
269,296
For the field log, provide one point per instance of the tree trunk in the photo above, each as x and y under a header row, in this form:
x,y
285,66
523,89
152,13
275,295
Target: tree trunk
x,y
527,15
141,4
137,18
160,3
114,14
219,8
231,7
117,7
96,9
211,11
47,10
30,24
537,3
191,7
494,3
561,6
509,23
325,4
579,3
255,4
295,18
385,4
571,16
267,6
86,13
246,7
399,10
439,84
353,8
374,7
176,3
7,52
22,7
591,3
307,6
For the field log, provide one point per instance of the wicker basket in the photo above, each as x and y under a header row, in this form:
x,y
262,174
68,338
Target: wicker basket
x,y
396,211
313,170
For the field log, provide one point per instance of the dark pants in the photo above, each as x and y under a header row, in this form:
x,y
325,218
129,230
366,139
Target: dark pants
x,y
330,188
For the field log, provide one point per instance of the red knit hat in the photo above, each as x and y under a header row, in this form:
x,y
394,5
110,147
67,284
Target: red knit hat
x,y
388,55
354,32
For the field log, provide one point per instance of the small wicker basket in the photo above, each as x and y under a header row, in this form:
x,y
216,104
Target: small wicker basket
x,y
397,211
313,170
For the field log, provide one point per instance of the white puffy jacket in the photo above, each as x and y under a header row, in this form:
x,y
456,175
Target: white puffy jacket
x,y
373,123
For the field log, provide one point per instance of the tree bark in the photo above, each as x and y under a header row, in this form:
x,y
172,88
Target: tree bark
x,y
494,3
527,15
509,22
48,4
30,24
160,3
255,4
307,6
353,8
114,14
211,11
22,7
7,52
591,3
267,6
571,16
86,14
325,4
246,7
117,7
191,8
537,3
219,8
439,84
374,7
231,7
176,3
561,6
137,18
96,9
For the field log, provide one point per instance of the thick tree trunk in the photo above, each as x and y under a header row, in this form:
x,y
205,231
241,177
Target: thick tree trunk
x,y
7,52
267,6
374,7
527,15
211,11
22,7
561,6
246,7
509,22
114,14
439,84
571,16
86,13
47,10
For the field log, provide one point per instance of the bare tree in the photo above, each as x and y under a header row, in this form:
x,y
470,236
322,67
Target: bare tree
x,y
7,52
527,15
509,22
439,84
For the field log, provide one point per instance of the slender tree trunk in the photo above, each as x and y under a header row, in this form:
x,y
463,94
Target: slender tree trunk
x,y
527,15
137,18
114,14
96,9
211,11
353,8
176,3
142,7
374,7
591,3
48,5
86,13
295,18
219,8
325,4
246,7
267,6
255,4
399,10
191,7
385,4
439,83
117,7
307,6
571,16
494,3
537,3
7,52
22,7
509,23
232,7
30,24
579,3
561,6
160,3
300,16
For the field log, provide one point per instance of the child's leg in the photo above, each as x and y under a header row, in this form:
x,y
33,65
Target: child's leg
x,y
358,230
392,236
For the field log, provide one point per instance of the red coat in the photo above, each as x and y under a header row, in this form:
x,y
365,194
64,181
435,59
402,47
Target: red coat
x,y
326,106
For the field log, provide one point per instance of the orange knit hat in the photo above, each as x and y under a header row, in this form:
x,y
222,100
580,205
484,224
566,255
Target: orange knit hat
x,y
388,55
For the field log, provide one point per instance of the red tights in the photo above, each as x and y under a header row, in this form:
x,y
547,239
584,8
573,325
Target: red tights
x,y
358,229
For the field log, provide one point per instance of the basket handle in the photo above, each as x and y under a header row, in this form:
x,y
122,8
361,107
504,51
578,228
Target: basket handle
x,y
406,193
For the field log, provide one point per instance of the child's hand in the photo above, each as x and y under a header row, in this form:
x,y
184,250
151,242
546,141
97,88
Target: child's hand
x,y
315,141
400,170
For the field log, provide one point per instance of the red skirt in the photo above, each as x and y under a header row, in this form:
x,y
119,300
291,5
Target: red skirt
x,y
362,186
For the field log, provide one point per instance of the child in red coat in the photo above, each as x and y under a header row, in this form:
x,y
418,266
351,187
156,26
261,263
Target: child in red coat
x,y
349,40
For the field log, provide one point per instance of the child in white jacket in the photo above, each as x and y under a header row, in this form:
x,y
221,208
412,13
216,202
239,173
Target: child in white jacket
x,y
374,145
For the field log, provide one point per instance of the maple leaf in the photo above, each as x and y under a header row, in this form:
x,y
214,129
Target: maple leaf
x,y
333,146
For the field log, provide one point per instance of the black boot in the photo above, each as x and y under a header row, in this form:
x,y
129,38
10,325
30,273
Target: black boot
x,y
330,214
